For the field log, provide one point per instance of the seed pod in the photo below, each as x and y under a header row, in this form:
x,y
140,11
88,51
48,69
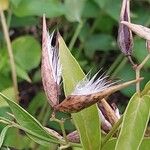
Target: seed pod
x,y
50,69
88,92
125,39
140,30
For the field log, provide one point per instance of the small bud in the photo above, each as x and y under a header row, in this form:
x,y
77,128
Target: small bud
x,y
50,69
74,137
140,30
125,40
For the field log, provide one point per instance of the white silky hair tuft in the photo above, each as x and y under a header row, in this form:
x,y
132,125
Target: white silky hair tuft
x,y
54,61
94,85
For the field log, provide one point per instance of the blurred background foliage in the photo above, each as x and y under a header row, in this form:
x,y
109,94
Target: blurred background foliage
x,y
89,28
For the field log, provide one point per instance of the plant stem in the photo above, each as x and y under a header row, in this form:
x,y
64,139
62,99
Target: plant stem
x,y
10,53
46,116
112,131
119,67
74,38
61,123
115,63
138,70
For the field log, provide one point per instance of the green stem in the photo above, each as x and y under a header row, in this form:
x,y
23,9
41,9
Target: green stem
x,y
119,67
89,33
46,116
61,123
112,131
115,63
74,38
10,53
42,112
138,70
9,16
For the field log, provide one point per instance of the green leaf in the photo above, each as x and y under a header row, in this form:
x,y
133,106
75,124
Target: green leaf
x,y
51,8
101,42
73,9
29,123
134,123
146,89
22,140
9,92
37,102
145,145
110,145
140,51
3,134
112,10
94,10
23,21
86,121
15,2
129,91
27,52
22,74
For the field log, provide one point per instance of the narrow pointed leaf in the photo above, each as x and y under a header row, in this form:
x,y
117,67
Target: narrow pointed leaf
x,y
29,122
134,123
3,134
87,121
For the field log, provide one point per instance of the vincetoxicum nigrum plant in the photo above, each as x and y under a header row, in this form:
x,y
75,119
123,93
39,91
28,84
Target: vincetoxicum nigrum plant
x,y
88,92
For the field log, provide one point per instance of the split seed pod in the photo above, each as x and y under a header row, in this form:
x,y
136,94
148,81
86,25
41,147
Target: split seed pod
x,y
125,39
140,30
88,92
51,68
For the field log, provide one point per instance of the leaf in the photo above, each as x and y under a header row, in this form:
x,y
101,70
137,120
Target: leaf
x,y
129,91
36,103
87,121
27,52
9,92
110,145
74,9
134,123
29,123
22,74
23,21
94,9
51,8
15,2
145,145
112,10
101,42
146,89
3,134
140,51
22,140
